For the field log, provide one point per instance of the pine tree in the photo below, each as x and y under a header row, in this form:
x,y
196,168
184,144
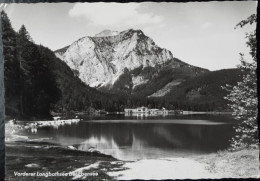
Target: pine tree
x,y
39,87
27,55
11,65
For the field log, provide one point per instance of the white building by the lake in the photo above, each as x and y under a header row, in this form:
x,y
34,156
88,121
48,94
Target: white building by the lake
x,y
145,110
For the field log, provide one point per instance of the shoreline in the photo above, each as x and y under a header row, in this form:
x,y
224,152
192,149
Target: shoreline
x,y
42,157
242,163
76,114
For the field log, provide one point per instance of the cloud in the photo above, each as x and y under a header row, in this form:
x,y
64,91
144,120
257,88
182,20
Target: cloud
x,y
110,14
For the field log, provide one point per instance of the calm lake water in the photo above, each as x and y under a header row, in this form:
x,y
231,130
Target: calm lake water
x,y
133,138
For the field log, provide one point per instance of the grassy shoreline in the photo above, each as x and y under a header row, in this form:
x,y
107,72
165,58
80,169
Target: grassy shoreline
x,y
243,163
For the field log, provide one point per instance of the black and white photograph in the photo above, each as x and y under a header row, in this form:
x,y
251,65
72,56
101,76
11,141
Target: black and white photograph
x,y
125,91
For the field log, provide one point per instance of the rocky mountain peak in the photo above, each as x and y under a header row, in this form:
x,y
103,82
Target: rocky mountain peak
x,y
100,60
107,32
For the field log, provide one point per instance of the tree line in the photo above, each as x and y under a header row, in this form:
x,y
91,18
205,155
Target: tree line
x,y
30,84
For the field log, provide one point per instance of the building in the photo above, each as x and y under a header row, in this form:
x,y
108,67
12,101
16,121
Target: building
x,y
137,110
162,111
145,110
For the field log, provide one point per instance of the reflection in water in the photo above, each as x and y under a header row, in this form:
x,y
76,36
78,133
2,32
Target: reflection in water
x,y
34,130
165,134
109,146
131,140
145,115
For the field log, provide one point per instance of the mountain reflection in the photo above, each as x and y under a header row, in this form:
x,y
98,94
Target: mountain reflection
x,y
136,140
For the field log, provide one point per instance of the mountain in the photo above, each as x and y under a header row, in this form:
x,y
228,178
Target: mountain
x,y
206,89
137,73
75,95
107,33
142,73
124,61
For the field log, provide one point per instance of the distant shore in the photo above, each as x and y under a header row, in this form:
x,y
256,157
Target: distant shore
x,y
172,113
210,112
76,114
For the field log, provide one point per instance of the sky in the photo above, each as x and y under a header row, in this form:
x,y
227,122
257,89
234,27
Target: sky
x,y
199,33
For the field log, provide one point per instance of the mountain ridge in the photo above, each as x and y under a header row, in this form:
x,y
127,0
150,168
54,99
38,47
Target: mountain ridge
x,y
99,61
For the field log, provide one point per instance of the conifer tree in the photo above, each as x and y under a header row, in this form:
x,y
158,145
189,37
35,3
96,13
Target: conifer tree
x,y
11,65
27,56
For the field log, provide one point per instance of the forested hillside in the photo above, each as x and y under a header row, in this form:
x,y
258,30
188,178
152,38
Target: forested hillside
x,y
204,91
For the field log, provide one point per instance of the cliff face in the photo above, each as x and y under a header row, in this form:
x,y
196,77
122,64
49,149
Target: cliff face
x,y
101,60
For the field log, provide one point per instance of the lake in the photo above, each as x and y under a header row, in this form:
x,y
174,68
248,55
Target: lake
x,y
134,138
